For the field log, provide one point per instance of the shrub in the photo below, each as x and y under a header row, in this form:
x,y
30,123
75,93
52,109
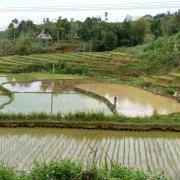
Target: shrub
x,y
23,46
64,170
6,173
170,91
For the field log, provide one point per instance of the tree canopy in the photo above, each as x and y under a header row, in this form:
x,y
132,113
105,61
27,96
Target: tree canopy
x,y
103,35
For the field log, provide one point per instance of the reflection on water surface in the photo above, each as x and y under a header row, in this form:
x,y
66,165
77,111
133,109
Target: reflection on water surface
x,y
131,101
134,101
54,103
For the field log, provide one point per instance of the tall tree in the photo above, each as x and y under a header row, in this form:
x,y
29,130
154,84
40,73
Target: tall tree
x,y
141,28
15,23
110,41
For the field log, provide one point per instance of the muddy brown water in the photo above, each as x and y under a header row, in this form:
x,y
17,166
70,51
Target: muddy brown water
x,y
158,150
133,101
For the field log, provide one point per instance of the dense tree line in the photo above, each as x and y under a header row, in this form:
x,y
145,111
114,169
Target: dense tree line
x,y
99,33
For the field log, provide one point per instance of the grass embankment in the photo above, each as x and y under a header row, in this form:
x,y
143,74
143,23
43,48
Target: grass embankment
x,y
68,170
92,121
35,76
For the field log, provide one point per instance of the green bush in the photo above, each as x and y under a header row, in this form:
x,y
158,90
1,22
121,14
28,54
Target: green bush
x,y
70,69
23,46
6,173
62,170
164,51
170,91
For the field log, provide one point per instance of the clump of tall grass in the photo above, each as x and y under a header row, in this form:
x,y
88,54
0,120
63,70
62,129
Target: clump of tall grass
x,y
57,170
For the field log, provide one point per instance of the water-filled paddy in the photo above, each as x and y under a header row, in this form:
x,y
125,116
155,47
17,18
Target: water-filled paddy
x,y
158,150
37,96
54,103
3,99
3,79
133,101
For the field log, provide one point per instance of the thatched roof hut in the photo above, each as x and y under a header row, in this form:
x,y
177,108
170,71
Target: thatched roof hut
x,y
44,37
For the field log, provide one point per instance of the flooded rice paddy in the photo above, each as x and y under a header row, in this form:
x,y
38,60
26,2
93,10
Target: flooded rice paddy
x,y
54,103
160,151
51,96
134,101
3,99
3,79
59,96
20,148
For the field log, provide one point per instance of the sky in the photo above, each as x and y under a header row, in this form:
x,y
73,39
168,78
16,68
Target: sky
x,y
113,15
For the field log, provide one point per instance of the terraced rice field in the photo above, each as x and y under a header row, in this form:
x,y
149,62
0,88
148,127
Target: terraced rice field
x,y
159,151
102,64
96,62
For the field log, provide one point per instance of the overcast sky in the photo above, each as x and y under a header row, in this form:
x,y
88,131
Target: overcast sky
x,y
37,17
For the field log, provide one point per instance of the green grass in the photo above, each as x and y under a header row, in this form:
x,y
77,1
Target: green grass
x,y
92,61
69,170
90,117
92,121
42,76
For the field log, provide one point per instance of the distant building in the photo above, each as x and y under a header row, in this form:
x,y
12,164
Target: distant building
x,y
45,37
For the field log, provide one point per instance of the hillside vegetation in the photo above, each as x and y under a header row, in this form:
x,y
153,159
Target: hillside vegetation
x,y
94,34
158,64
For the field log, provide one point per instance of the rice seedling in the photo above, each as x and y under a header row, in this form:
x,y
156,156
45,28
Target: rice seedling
x,y
139,153
89,151
146,155
124,151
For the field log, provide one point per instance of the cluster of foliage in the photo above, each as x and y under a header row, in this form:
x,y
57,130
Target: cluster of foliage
x,y
158,57
67,170
100,34
164,51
